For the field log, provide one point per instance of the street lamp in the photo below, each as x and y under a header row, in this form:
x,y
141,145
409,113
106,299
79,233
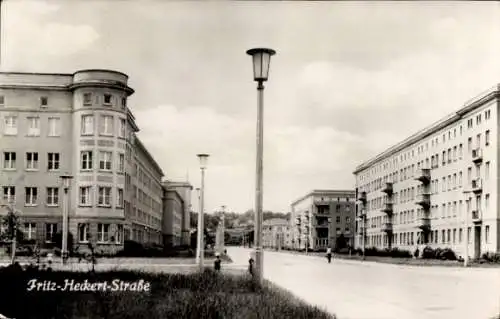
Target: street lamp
x,y
261,59
66,181
200,247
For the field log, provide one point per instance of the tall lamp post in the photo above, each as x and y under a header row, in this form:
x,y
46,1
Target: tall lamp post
x,y
261,59
201,245
66,181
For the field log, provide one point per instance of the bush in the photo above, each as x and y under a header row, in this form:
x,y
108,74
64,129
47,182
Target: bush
x,y
438,253
200,295
491,257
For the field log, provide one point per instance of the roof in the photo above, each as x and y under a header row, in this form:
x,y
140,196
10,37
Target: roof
x,y
469,106
149,156
275,222
326,192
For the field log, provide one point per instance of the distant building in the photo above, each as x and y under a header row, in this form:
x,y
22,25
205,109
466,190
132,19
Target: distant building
x,y
321,216
275,233
183,189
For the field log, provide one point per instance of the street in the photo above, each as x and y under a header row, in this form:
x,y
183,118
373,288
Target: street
x,y
364,290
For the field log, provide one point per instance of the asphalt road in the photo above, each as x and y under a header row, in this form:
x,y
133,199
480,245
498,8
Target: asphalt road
x,y
367,290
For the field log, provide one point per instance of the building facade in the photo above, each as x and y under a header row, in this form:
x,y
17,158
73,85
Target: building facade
x,y
173,210
321,217
276,233
77,124
438,187
184,189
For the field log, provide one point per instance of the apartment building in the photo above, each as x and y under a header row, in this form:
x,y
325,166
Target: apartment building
x,y
439,187
77,124
276,233
173,210
184,189
321,216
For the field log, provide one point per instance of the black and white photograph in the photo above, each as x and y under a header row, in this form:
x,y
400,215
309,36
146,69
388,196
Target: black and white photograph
x,y
249,159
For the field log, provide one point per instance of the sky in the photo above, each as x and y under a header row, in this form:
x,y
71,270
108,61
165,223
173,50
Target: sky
x,y
349,79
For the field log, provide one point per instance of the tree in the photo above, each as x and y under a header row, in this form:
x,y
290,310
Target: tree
x,y
12,233
57,239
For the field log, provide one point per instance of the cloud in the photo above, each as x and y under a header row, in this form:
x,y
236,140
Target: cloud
x,y
30,37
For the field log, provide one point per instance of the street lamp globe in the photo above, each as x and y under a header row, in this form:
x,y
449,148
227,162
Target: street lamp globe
x,y
66,180
203,160
261,60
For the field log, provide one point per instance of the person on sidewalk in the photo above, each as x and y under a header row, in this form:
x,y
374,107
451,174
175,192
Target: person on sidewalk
x,y
329,254
250,266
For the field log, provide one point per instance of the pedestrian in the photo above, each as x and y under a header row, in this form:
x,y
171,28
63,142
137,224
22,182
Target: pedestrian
x,y
329,254
217,262
250,266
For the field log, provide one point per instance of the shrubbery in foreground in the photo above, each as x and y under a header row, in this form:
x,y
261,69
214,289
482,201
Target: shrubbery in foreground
x,y
207,295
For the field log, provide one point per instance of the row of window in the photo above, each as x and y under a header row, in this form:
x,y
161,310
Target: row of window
x,y
106,125
32,196
107,100
443,236
139,215
411,154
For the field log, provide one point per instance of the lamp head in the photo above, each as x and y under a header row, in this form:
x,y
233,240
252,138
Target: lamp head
x,y
203,160
66,180
261,59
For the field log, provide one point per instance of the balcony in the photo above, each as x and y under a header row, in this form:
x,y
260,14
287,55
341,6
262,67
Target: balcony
x,y
424,223
423,175
387,208
477,155
477,217
424,200
387,189
387,227
477,185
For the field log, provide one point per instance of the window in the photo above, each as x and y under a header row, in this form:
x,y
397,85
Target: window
x,y
487,171
487,138
460,151
87,98
44,101
54,126
105,161
478,119
460,179
469,175
9,160
454,235
84,197
469,236
124,103
30,230
104,196
33,126
106,125
31,196
52,196
119,197
478,140
86,160
121,163
487,201
50,231
103,233
83,232
2,100
486,234
460,232
53,160
87,125
31,160
469,144
107,99
121,132
10,125
9,194
338,219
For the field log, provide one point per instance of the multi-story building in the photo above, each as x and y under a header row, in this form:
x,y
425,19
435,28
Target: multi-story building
x,y
276,234
173,210
77,124
322,216
437,187
184,189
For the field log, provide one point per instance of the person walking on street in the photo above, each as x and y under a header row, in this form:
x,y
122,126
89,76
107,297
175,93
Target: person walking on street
x,y
217,262
250,266
329,254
